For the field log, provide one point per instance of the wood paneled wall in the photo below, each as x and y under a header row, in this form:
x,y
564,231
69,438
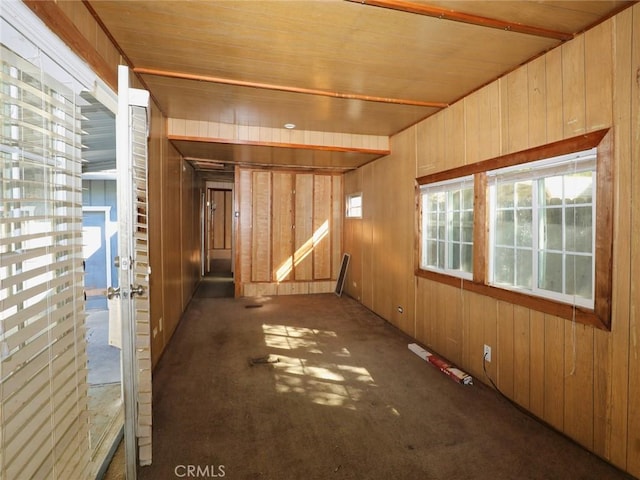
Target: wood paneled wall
x,y
290,231
581,380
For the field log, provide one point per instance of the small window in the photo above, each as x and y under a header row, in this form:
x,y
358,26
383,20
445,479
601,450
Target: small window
x,y
542,227
447,227
354,205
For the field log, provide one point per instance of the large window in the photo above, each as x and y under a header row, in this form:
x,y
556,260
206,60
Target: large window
x,y
533,228
542,227
447,227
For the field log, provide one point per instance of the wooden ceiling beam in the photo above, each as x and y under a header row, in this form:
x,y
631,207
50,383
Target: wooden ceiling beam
x,y
283,88
453,15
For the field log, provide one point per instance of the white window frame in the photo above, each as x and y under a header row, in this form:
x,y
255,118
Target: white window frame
x,y
351,210
577,162
447,187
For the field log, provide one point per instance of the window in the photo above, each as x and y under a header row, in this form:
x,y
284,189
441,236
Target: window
x,y
542,227
354,205
447,227
532,228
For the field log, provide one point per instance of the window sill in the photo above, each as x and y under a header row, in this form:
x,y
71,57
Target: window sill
x,y
563,310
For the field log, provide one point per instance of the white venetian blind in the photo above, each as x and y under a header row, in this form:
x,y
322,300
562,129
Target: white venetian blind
x,y
43,387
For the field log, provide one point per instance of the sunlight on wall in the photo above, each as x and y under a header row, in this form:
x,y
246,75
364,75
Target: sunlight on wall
x,y
303,252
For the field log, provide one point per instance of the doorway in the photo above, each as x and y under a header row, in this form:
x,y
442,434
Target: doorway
x,y
218,232
100,247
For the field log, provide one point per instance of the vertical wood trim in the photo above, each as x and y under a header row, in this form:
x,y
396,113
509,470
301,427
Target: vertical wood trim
x,y
261,228
480,228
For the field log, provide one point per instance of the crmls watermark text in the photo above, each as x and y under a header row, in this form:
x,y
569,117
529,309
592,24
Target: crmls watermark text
x,y
199,471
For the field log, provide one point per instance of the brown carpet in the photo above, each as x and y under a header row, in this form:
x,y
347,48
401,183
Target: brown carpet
x,y
333,393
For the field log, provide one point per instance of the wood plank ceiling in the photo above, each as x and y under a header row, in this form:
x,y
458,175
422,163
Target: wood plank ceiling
x,y
365,67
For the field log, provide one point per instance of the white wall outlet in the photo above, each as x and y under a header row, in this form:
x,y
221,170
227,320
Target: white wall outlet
x,y
487,353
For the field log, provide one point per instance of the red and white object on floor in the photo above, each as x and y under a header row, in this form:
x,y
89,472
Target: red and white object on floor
x,y
451,371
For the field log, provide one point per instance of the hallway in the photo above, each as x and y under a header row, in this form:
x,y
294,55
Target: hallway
x,y
316,387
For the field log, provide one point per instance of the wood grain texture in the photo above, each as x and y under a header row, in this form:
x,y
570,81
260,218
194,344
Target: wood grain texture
x,y
617,377
504,353
578,385
336,224
303,221
573,87
261,227
322,235
282,227
554,371
633,442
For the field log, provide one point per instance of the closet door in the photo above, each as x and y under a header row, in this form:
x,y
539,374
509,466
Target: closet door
x,y
303,254
282,226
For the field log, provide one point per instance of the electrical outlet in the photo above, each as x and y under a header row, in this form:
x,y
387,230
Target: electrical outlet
x,y
487,353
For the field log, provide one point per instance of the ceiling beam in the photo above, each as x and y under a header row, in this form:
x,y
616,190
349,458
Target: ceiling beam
x,y
453,15
283,88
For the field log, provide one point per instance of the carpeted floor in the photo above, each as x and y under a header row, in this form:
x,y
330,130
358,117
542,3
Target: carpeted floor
x,y
318,387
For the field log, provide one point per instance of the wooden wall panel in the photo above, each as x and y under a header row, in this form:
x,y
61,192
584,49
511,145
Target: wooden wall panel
x,y
245,227
282,227
614,444
580,380
573,87
190,229
554,116
503,354
578,374
455,138
554,371
277,249
218,232
515,102
322,216
336,224
537,102
536,363
228,218
633,442
352,237
171,241
261,228
368,207
382,264
599,76
521,355
303,257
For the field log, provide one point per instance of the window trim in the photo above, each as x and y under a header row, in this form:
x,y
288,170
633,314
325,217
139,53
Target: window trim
x,y
445,186
348,207
600,315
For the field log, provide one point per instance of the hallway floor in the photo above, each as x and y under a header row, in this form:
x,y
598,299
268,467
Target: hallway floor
x,y
317,387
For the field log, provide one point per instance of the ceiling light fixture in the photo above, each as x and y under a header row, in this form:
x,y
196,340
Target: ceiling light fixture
x,y
289,125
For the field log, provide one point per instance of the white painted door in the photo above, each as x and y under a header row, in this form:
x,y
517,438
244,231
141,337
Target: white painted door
x,y
132,130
